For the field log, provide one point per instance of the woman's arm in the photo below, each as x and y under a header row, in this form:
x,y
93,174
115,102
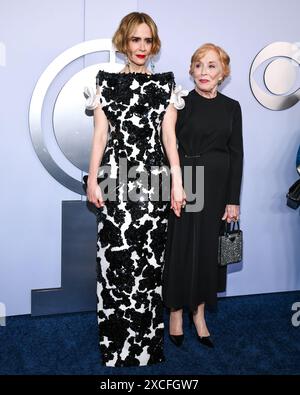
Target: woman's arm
x,y
169,140
236,152
98,145
235,146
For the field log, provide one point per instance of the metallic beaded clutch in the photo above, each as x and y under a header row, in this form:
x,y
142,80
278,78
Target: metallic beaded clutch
x,y
230,245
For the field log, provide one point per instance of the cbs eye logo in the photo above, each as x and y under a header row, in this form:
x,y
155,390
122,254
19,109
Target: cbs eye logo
x,y
63,145
277,66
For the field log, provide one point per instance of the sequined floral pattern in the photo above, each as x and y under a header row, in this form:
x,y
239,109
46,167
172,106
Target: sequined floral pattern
x,y
132,234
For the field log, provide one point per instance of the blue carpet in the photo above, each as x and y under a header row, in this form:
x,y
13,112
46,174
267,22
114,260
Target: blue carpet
x,y
252,334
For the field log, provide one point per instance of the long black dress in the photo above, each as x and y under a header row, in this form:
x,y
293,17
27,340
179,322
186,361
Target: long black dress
x,y
209,133
132,233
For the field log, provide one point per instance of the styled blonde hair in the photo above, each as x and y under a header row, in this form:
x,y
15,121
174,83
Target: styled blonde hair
x,y
223,56
127,26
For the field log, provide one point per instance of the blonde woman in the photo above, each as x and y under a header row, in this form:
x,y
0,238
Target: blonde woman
x,y
131,109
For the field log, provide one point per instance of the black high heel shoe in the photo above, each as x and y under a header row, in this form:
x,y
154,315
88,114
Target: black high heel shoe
x,y
176,339
205,340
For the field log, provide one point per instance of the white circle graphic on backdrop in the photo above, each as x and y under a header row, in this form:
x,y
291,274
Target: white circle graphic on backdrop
x,y
280,76
72,128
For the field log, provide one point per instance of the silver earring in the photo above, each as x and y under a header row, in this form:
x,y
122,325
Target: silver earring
x,y
152,65
127,64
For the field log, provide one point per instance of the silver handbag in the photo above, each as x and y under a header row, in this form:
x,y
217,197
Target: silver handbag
x,y
230,244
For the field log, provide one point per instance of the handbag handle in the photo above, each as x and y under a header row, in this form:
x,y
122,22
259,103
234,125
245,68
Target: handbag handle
x,y
227,226
238,225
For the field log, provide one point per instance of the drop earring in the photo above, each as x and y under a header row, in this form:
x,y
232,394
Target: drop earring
x,y
152,66
127,64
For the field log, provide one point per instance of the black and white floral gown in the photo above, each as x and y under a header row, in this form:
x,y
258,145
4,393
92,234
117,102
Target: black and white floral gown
x,y
132,234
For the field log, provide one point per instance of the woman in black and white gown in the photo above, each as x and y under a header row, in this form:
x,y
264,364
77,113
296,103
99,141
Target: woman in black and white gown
x,y
131,109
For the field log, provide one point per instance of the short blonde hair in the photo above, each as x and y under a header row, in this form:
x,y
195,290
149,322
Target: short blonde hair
x,y
127,26
223,56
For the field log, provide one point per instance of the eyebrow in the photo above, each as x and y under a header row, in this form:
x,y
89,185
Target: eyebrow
x,y
211,61
146,38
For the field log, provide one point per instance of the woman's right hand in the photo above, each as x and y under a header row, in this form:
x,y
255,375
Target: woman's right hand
x,y
94,194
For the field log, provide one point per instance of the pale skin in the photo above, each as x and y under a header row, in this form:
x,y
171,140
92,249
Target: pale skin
x,y
207,73
138,53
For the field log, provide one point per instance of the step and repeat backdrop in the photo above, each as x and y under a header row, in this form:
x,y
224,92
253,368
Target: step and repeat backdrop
x,y
49,51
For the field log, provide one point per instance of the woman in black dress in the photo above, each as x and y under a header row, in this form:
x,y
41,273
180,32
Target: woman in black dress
x,y
131,111
209,134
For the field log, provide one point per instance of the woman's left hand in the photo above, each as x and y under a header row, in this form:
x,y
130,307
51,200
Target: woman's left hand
x,y
178,198
232,213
